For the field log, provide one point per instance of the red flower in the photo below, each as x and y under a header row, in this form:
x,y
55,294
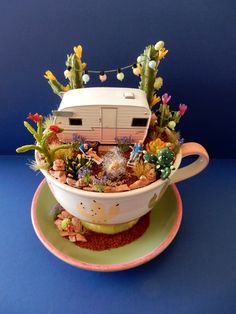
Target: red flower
x,y
35,117
55,128
182,109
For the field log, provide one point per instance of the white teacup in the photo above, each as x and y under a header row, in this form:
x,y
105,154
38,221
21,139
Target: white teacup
x,y
123,208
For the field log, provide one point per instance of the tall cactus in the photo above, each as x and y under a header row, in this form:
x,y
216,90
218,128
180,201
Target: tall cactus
x,y
148,64
148,74
74,72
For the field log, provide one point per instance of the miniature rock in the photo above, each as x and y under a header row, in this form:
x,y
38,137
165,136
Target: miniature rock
x,y
59,175
59,164
80,237
143,181
71,182
64,214
151,175
80,183
72,238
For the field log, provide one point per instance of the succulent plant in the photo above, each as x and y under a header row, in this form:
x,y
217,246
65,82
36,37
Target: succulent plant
x,y
42,136
74,164
163,161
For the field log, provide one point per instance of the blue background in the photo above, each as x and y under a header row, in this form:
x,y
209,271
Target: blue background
x,y
197,273
198,71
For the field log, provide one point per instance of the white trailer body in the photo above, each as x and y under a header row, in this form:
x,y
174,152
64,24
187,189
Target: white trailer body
x,y
103,114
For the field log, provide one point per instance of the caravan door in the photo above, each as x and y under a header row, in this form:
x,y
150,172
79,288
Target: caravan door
x,y
108,125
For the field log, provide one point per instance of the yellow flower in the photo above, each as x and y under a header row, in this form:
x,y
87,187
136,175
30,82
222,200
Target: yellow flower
x,y
155,100
162,53
49,76
78,51
155,146
158,83
66,88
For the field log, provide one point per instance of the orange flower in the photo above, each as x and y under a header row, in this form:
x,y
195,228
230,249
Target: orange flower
x,y
49,76
162,53
78,51
155,100
155,146
66,88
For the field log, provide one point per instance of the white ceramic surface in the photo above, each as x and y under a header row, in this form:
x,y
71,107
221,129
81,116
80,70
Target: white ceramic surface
x,y
116,208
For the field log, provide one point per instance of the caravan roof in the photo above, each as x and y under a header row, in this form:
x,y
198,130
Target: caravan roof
x,y
105,96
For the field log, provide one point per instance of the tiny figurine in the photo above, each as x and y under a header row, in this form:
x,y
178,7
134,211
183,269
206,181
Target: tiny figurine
x,y
87,151
84,148
136,151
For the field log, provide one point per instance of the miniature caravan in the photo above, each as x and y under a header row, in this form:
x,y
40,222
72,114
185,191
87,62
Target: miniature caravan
x,y
103,114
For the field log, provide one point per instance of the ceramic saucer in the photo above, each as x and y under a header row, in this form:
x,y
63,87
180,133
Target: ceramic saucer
x,y
164,223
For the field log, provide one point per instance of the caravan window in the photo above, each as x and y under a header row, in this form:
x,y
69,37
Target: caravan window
x,y
139,122
76,121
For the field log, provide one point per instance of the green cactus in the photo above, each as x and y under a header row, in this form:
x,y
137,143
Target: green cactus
x,y
41,139
163,161
76,69
57,87
74,164
148,74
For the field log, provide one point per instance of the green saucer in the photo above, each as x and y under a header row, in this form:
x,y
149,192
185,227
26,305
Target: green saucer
x,y
164,223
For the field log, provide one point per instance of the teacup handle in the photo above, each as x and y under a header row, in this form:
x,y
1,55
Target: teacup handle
x,y
195,167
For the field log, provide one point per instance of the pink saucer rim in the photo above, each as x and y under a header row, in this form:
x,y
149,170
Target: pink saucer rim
x,y
104,267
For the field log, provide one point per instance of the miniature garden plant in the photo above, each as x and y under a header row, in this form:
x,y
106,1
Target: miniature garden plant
x,y
41,137
148,63
74,166
163,161
124,143
75,73
84,173
165,119
99,183
163,124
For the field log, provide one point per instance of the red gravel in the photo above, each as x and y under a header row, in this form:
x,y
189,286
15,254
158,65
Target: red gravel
x,y
100,241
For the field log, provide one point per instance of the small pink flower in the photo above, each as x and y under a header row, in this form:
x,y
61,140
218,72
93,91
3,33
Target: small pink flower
x,y
55,128
182,109
34,117
165,98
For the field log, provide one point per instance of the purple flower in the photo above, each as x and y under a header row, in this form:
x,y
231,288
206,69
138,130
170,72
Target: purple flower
x,y
124,140
78,138
83,171
181,140
100,180
165,98
182,109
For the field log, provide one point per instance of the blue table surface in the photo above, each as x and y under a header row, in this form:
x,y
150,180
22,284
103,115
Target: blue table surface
x,y
195,274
